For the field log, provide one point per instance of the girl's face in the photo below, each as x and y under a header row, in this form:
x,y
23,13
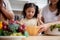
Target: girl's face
x,y
30,12
54,1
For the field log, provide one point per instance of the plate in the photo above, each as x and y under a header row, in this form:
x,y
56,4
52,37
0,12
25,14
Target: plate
x,y
55,32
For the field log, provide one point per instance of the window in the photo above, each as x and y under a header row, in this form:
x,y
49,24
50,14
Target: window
x,y
40,3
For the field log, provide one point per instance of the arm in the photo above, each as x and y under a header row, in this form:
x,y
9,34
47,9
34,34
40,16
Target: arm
x,y
46,26
40,22
7,13
7,10
40,19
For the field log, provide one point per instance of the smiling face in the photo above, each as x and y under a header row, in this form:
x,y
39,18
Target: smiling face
x,y
54,1
30,12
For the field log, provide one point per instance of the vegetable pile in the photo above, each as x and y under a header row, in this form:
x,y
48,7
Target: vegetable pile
x,y
12,29
52,27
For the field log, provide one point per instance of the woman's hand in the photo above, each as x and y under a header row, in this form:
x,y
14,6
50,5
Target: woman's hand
x,y
44,27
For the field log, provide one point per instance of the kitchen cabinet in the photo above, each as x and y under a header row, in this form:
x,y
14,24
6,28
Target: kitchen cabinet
x,y
17,5
40,3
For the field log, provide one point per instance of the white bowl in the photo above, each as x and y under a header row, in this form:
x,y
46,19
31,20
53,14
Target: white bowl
x,y
54,32
12,37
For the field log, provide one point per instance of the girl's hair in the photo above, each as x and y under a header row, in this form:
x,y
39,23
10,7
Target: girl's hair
x,y
27,5
58,7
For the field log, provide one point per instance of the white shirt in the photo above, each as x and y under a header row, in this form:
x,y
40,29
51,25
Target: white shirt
x,y
48,15
8,6
29,22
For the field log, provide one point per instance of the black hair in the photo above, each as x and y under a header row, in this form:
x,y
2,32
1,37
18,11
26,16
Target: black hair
x,y
58,7
27,5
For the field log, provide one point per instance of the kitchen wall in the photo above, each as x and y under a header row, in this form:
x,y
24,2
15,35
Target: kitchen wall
x,y
17,5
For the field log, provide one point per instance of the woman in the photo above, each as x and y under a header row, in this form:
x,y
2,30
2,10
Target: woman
x,y
6,9
51,14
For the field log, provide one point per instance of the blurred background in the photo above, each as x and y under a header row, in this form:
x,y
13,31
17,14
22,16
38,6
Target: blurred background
x,y
17,5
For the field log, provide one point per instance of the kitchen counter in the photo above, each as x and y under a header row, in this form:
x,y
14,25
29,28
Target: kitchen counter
x,y
32,38
42,38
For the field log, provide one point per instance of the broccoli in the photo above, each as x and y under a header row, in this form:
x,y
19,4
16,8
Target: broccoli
x,y
55,26
13,27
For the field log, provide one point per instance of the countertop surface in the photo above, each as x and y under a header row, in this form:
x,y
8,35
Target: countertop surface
x,y
33,38
42,38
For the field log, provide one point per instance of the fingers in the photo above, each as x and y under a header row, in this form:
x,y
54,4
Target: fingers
x,y
40,30
43,28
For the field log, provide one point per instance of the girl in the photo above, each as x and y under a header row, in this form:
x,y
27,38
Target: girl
x,y
30,13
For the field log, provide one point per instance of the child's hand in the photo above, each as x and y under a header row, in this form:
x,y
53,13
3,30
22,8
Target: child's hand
x,y
39,16
43,28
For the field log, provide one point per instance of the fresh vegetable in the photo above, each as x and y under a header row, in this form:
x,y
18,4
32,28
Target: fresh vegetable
x,y
52,27
26,33
55,26
5,27
6,33
0,24
21,29
1,31
13,27
16,34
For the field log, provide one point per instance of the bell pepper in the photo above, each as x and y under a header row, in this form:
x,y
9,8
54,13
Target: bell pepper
x,y
0,24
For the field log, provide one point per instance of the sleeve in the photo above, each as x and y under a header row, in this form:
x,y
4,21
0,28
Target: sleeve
x,y
8,6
